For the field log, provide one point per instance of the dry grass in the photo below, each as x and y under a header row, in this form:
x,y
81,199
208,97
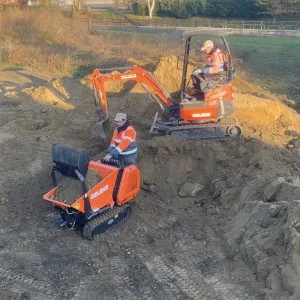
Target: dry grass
x,y
41,39
47,40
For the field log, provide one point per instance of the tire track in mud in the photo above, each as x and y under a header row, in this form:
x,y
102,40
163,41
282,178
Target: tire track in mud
x,y
178,279
228,291
177,282
13,292
28,283
21,237
117,269
16,284
224,290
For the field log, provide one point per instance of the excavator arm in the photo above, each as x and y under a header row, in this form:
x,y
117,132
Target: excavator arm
x,y
137,74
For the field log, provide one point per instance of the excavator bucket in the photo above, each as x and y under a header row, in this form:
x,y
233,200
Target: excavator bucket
x,y
101,129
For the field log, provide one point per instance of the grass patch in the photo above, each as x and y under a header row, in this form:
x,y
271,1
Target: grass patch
x,y
272,61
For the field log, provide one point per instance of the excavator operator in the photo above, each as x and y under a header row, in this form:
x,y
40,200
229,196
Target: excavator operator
x,y
123,146
206,78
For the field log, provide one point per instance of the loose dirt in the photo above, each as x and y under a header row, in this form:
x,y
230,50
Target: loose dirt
x,y
70,189
214,220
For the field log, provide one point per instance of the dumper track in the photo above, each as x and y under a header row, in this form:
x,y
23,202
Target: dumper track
x,y
106,221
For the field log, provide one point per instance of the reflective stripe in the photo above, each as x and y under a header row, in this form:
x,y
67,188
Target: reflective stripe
x,y
128,138
129,152
119,150
117,140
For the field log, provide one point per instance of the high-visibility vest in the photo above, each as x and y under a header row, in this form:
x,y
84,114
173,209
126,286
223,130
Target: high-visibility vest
x,y
123,142
215,63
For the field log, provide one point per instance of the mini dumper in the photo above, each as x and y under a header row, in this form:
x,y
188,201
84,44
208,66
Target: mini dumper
x,y
104,205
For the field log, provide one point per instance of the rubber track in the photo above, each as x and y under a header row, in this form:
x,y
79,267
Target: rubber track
x,y
88,228
206,125
209,125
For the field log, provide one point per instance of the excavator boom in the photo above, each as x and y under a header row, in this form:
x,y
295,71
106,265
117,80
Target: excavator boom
x,y
137,74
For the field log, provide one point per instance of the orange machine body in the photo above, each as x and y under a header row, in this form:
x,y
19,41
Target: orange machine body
x,y
212,106
103,194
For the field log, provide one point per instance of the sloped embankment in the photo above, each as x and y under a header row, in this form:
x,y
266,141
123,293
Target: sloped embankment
x,y
255,181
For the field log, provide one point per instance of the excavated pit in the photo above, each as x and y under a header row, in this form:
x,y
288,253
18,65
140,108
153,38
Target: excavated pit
x,y
214,220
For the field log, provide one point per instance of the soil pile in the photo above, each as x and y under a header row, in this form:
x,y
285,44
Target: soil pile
x,y
70,189
265,234
47,95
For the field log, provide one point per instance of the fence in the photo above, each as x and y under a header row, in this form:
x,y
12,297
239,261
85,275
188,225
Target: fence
x,y
291,27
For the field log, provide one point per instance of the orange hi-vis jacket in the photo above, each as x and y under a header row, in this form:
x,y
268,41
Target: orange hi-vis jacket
x,y
215,62
123,142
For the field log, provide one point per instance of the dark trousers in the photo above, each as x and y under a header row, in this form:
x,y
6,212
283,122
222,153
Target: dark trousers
x,y
204,82
127,160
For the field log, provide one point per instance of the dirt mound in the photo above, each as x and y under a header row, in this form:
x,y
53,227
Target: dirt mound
x,y
265,234
245,87
48,96
266,120
58,85
236,178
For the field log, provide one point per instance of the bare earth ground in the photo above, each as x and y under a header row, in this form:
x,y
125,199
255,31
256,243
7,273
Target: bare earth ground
x,y
214,220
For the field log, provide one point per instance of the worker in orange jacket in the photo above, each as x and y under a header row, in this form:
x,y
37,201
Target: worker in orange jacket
x,y
206,78
123,145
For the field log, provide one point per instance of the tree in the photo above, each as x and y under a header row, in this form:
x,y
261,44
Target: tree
x,y
151,6
245,9
139,7
276,8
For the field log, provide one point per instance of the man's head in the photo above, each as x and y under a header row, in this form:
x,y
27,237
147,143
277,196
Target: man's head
x,y
207,46
120,119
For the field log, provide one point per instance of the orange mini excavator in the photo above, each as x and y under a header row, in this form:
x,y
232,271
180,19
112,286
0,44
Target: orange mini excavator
x,y
101,207
197,115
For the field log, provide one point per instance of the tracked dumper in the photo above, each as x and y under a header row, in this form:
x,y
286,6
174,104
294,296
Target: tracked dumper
x,y
100,207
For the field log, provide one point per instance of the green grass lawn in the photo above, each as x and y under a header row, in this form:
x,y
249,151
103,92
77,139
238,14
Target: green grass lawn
x,y
274,61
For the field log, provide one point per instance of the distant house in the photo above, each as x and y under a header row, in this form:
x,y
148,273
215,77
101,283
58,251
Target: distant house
x,y
106,4
62,2
12,3
33,3
100,4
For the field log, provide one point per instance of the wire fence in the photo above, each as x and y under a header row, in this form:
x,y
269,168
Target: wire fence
x,y
124,21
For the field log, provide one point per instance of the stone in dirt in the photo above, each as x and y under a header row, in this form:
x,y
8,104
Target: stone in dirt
x,y
190,189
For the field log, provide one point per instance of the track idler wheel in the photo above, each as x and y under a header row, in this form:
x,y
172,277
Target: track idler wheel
x,y
106,221
234,131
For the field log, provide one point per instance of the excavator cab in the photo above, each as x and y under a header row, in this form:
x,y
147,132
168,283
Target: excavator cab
x,y
194,57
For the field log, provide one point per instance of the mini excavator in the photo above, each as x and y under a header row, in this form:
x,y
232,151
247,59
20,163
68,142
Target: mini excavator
x,y
100,207
201,115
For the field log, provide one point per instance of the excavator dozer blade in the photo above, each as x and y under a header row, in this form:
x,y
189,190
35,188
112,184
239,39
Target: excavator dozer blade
x,y
101,129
